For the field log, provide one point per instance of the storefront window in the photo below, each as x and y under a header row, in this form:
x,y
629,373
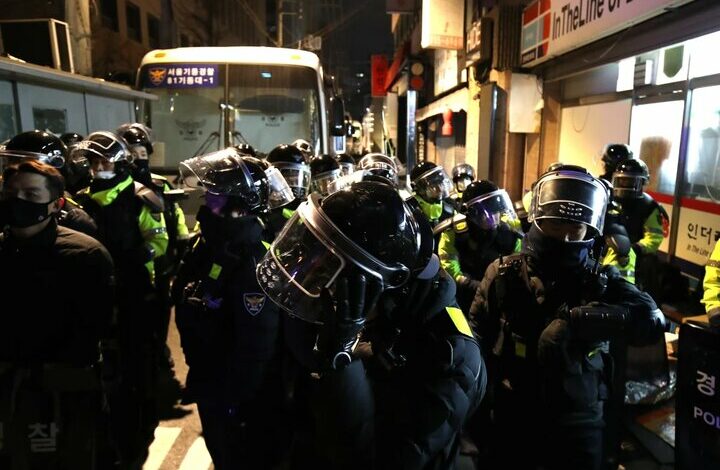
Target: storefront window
x,y
703,55
702,172
655,130
8,126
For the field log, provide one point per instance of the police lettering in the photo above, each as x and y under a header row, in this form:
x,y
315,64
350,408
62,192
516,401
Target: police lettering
x,y
709,418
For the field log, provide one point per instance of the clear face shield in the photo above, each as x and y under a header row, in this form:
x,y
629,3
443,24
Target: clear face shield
x,y
346,180
321,183
434,185
570,196
11,157
308,256
384,167
627,186
461,183
279,191
297,176
223,173
346,169
492,211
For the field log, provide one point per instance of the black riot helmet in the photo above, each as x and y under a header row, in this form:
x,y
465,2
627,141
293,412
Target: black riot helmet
x,y
614,154
570,193
244,179
380,165
305,147
365,227
246,149
462,175
71,139
36,145
105,145
488,207
346,162
324,169
290,161
136,136
629,178
430,182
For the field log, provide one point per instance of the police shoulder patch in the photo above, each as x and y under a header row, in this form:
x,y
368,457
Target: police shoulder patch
x,y
254,302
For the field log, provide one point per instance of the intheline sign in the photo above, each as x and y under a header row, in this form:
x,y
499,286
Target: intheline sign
x,y
553,27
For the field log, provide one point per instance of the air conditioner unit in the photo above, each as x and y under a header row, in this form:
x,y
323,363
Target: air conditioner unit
x,y
38,41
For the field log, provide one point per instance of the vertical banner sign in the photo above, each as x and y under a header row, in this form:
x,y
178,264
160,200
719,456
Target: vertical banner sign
x,y
443,24
697,406
554,27
378,75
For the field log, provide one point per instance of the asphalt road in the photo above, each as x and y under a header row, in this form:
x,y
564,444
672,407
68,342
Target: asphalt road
x,y
178,441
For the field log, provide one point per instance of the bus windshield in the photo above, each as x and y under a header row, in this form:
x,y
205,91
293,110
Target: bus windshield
x,y
266,105
274,104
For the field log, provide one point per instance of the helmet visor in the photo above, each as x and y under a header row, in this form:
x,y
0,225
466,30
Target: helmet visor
x,y
279,192
626,186
221,172
345,181
297,175
462,182
16,156
434,185
321,183
568,197
346,168
296,269
492,210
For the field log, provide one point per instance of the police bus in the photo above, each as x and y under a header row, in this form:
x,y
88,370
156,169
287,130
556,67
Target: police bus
x,y
212,97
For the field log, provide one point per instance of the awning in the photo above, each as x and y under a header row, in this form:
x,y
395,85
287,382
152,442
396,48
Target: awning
x,y
456,101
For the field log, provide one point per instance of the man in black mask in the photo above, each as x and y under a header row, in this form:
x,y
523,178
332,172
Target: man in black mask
x,y
391,367
468,245
230,332
48,338
546,315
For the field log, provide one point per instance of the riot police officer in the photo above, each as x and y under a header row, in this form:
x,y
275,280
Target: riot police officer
x,y
462,175
347,163
132,227
324,169
431,187
363,270
547,314
289,160
230,332
49,149
50,396
71,139
380,165
488,230
612,156
139,140
305,148
645,220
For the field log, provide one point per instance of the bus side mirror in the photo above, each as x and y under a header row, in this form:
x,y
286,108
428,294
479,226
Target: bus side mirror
x,y
337,115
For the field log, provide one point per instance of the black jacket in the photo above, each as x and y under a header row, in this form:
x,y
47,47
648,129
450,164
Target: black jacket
x,y
229,329
43,320
405,412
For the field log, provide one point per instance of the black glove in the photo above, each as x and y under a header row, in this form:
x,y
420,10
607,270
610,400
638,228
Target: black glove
x,y
596,321
344,318
468,283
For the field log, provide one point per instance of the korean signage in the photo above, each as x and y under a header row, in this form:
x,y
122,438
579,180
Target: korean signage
x,y
443,24
182,76
697,436
698,229
553,27
378,74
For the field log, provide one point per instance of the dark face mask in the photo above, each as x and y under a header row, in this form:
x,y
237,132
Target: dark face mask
x,y
555,253
20,213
